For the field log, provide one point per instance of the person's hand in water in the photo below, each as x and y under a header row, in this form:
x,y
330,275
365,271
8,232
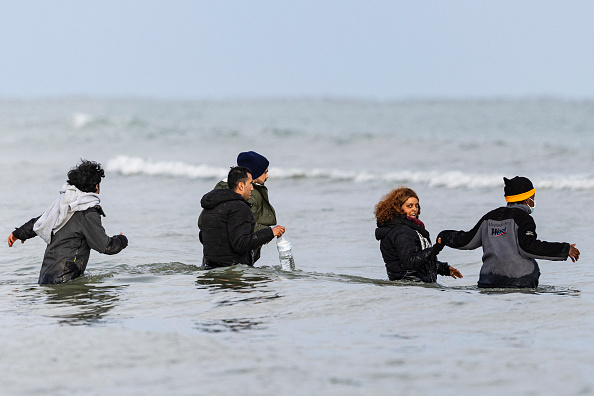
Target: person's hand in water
x,y
454,273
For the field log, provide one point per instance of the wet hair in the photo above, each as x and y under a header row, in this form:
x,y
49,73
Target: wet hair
x,y
237,174
86,176
390,205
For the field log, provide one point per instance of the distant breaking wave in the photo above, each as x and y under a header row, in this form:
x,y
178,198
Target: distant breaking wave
x,y
133,166
127,166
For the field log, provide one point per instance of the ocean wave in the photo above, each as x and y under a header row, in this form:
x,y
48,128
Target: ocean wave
x,y
81,120
84,121
127,166
134,166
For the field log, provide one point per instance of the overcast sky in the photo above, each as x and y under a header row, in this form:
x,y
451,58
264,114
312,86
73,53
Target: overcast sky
x,y
377,49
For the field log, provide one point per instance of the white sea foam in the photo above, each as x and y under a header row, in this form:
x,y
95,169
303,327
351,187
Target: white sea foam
x,y
135,165
126,165
80,120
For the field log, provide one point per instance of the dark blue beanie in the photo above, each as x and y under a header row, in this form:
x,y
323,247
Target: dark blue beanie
x,y
256,162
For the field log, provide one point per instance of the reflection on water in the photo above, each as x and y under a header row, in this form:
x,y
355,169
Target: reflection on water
x,y
240,284
560,291
170,268
542,289
79,303
234,325
342,278
236,278
233,286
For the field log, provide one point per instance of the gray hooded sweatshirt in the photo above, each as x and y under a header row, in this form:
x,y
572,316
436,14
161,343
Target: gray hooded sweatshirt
x,y
510,247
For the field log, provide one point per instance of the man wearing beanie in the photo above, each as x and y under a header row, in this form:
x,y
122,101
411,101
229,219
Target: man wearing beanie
x,y
508,237
261,207
227,223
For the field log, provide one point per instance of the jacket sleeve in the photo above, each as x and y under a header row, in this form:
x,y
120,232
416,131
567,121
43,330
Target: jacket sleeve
x,y
531,247
464,240
97,238
409,253
241,236
200,221
443,268
259,227
25,231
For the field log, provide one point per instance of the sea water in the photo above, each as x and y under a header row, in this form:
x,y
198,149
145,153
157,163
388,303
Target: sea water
x,y
150,321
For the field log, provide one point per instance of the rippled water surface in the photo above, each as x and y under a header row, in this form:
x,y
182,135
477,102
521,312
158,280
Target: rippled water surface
x,y
150,321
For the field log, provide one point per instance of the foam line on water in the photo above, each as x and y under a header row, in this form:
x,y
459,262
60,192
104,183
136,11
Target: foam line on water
x,y
127,165
134,166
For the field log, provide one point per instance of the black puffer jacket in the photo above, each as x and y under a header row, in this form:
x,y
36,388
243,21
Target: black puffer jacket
x,y
264,213
67,256
403,252
227,229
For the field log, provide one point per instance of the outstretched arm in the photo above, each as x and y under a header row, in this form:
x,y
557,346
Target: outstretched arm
x,y
532,247
97,238
465,240
23,233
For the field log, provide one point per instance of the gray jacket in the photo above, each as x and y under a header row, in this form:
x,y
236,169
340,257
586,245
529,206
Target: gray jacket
x,y
510,247
67,255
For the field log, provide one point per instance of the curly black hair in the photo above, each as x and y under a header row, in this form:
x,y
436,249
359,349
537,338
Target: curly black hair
x,y
86,176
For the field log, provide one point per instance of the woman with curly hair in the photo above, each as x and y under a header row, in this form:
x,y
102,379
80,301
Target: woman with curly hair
x,y
404,241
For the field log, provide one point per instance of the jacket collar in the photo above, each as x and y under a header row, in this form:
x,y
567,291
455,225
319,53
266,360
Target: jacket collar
x,y
403,220
522,206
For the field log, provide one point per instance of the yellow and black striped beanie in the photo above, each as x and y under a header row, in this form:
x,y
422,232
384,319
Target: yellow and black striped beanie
x,y
518,189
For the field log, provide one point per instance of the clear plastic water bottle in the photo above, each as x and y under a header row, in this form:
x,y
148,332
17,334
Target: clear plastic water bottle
x,y
285,253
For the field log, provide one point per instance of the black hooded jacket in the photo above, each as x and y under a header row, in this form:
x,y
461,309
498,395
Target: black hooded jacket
x,y
227,229
403,253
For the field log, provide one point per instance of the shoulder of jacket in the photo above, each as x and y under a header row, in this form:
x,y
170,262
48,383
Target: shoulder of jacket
x,y
256,193
221,185
95,209
518,214
402,229
524,218
259,187
239,204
